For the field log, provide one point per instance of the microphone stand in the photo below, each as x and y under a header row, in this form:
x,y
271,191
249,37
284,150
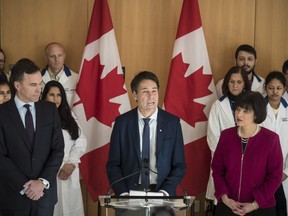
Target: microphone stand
x,y
146,166
107,199
186,198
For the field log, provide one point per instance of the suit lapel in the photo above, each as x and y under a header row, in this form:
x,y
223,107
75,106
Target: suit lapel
x,y
161,126
40,112
16,119
134,129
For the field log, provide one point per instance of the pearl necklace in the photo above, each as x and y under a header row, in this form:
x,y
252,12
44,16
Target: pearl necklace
x,y
255,132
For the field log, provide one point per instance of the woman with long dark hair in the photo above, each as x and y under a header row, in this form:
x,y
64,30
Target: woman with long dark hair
x,y
68,184
5,91
222,113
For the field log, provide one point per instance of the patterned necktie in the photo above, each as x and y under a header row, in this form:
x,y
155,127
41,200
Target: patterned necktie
x,y
29,124
145,177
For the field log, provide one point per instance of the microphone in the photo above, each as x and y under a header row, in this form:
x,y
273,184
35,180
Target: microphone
x,y
186,198
107,199
144,165
121,179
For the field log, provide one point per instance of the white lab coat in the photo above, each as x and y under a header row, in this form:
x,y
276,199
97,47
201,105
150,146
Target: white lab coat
x,y
257,85
70,201
221,117
280,126
68,80
285,96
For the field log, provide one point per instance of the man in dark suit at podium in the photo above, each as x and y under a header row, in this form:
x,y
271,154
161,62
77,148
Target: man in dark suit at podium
x,y
164,166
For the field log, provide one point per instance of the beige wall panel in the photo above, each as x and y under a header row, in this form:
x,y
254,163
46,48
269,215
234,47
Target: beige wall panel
x,y
28,25
271,36
227,24
145,32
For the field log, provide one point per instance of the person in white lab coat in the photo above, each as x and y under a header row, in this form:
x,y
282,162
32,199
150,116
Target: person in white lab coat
x,y
222,112
57,70
246,57
277,121
70,201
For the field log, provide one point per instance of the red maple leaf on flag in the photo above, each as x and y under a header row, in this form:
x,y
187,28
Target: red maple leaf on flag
x,y
95,92
181,99
100,97
189,94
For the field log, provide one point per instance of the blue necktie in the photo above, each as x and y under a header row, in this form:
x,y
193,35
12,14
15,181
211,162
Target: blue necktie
x,y
29,124
145,177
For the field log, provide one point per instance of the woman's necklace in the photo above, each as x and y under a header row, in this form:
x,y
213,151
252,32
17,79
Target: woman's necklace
x,y
247,137
244,140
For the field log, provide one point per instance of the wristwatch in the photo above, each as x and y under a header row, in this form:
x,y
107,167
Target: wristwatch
x,y
45,182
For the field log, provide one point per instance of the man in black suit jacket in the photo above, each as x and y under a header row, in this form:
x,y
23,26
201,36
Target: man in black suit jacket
x,y
28,168
166,143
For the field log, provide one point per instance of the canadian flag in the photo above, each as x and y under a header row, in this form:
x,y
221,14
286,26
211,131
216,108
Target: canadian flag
x,y
190,94
100,97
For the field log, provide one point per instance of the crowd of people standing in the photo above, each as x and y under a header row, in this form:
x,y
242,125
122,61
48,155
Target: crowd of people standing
x,y
248,142
41,142
246,132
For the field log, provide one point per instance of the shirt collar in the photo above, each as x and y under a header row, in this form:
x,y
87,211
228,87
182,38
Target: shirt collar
x,y
153,116
19,103
57,76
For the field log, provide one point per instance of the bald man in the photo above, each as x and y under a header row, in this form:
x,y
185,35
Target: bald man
x,y
57,70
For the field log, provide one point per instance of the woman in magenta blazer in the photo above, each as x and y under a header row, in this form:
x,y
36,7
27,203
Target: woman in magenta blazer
x,y
248,162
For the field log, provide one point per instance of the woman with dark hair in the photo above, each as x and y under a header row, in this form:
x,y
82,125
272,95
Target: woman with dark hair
x,y
5,91
247,164
69,190
221,113
277,121
285,72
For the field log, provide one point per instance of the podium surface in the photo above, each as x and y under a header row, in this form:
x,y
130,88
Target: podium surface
x,y
144,205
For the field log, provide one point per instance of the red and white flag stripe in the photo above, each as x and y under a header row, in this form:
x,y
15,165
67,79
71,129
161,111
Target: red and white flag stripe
x,y
190,94
100,97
